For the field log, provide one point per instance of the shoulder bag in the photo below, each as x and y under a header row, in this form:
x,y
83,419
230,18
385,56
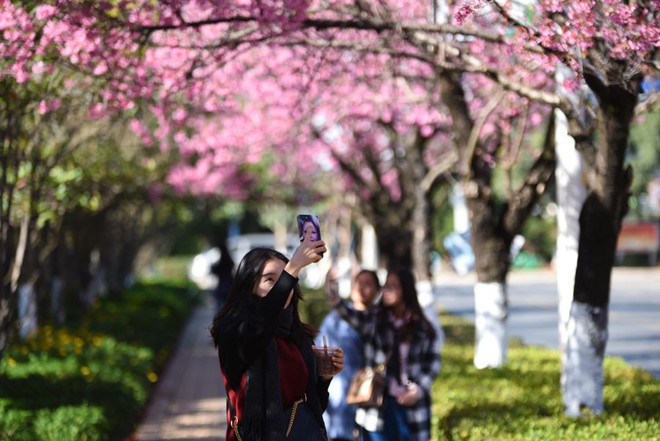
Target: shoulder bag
x,y
301,423
367,387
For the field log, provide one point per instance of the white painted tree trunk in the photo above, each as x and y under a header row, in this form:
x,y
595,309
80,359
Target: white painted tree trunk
x,y
571,194
27,299
97,286
369,247
582,327
427,300
27,310
491,313
582,359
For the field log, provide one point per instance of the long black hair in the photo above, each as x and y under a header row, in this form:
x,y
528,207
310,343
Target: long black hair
x,y
241,293
410,300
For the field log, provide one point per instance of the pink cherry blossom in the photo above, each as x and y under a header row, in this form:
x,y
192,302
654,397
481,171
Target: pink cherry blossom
x,y
299,106
44,12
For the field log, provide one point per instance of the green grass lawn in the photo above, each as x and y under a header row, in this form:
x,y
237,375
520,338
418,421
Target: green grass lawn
x,y
522,400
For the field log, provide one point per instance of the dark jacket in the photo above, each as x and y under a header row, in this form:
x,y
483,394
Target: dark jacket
x,y
244,338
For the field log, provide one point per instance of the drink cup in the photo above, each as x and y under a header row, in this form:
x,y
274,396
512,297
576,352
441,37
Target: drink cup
x,y
324,360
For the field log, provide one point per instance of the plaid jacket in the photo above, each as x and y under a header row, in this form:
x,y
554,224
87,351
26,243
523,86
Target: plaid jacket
x,y
423,366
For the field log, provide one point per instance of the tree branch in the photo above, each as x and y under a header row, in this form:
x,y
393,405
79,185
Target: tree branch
x,y
520,205
446,163
476,129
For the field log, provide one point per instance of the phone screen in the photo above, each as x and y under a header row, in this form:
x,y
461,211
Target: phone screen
x,y
306,221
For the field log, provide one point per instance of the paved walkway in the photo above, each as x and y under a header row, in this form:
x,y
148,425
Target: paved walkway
x,y
188,403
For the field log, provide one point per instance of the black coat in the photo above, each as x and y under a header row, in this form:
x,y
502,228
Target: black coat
x,y
245,337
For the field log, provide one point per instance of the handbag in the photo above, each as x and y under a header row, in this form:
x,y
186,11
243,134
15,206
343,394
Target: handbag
x,y
367,387
301,423
303,426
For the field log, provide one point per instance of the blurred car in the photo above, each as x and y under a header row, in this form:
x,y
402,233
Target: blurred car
x,y
199,270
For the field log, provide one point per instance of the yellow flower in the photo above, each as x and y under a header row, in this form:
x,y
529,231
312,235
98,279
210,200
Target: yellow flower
x,y
152,377
11,362
85,371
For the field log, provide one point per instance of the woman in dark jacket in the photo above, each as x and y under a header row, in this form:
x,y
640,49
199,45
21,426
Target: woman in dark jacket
x,y
265,351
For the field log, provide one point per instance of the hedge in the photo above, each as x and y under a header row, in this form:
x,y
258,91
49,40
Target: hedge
x,y
90,381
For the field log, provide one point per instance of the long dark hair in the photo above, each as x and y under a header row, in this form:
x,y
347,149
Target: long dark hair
x,y
241,293
410,300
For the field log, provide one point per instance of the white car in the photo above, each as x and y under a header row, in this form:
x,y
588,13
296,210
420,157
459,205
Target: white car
x,y
199,270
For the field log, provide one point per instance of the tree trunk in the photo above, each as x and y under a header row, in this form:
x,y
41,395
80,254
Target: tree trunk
x,y
421,249
600,222
491,251
24,289
10,158
571,193
394,243
421,252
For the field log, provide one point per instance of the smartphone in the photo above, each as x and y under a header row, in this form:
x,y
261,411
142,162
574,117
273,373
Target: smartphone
x,y
306,221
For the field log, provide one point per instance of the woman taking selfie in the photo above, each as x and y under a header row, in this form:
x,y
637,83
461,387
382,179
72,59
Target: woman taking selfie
x,y
396,333
268,366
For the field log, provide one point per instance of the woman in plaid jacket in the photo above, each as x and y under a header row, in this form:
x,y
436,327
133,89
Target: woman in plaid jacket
x,y
396,332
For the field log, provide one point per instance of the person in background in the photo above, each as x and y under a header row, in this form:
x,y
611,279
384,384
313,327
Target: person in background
x,y
224,271
267,363
339,417
397,333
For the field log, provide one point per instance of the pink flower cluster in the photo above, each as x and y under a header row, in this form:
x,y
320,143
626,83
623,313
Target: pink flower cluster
x,y
226,106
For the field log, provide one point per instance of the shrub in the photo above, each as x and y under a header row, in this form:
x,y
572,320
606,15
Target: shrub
x,y
90,380
74,423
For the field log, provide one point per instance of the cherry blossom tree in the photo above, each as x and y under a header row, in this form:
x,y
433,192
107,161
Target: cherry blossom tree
x,y
610,46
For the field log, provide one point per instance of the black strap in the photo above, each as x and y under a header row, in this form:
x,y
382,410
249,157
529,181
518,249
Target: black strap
x,y
394,364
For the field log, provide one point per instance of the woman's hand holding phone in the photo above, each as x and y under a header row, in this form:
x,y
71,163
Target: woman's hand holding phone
x,y
307,252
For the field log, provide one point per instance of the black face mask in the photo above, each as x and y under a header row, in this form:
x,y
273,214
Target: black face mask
x,y
284,321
